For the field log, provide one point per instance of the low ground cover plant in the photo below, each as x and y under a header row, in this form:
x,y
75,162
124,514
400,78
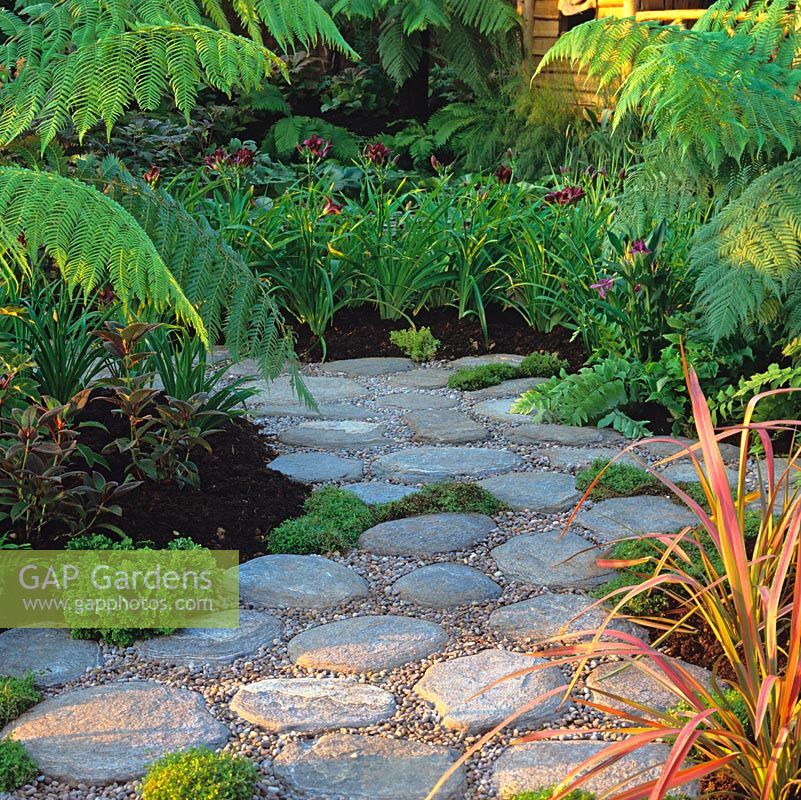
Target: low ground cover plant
x,y
16,766
615,479
437,498
534,365
16,695
419,344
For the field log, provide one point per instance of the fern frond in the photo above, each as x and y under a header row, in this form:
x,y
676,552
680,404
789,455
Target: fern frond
x,y
487,16
400,54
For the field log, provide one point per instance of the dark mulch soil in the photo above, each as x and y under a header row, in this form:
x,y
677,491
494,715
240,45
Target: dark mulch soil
x,y
360,332
240,500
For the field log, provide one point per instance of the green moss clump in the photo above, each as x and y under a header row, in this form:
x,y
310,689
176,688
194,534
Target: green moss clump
x,y
619,480
199,774
419,344
541,365
546,793
470,379
16,766
441,498
333,520
16,695
647,604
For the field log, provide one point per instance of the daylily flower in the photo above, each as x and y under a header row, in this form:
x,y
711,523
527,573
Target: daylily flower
x,y
436,164
243,157
504,174
566,196
377,153
22,240
603,286
331,207
316,146
106,295
639,248
152,175
217,158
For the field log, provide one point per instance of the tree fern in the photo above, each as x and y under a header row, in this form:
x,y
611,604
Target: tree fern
x,y
49,212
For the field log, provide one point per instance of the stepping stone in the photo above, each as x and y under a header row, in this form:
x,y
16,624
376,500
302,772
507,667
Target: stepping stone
x,y
366,644
427,534
417,402
367,367
110,734
377,492
729,450
433,464
434,378
580,457
500,410
318,467
325,411
513,388
549,615
625,517
288,581
342,766
569,435
446,585
51,654
333,435
197,647
452,687
686,473
543,492
551,559
492,358
444,427
322,389
626,680
528,767
312,705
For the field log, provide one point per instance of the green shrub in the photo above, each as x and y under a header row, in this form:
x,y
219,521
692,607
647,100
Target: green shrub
x,y
541,365
16,695
546,793
16,766
470,379
418,344
619,480
333,520
440,498
199,774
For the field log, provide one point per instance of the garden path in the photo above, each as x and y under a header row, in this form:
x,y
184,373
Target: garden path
x,y
352,676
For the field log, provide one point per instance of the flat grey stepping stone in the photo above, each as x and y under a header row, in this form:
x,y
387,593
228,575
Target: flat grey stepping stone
x,y
543,492
549,615
492,358
569,435
342,766
686,473
366,644
626,680
323,389
416,401
551,559
446,585
434,378
335,435
52,654
581,457
513,388
312,705
318,467
429,464
289,581
366,367
527,767
454,686
108,734
624,517
500,410
444,427
324,411
376,492
427,534
197,647
729,451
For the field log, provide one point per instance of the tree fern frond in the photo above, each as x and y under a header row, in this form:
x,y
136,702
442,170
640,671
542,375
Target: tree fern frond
x,y
487,16
400,54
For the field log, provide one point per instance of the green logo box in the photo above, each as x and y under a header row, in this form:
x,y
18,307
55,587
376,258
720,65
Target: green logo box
x,y
119,589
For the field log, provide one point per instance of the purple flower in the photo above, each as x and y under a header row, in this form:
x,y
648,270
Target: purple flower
x,y
603,286
217,158
316,146
377,153
639,248
243,157
566,196
504,174
331,207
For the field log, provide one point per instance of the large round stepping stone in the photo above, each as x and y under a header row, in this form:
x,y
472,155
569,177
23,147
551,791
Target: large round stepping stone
x,y
529,767
686,473
366,644
549,615
446,585
581,457
427,534
312,705
627,680
444,427
729,451
377,492
322,389
323,411
335,435
341,766
318,467
432,464
569,435
288,581
625,517
197,647
367,367
416,402
491,358
543,492
434,378
513,388
455,688
500,410
551,559
51,654
107,734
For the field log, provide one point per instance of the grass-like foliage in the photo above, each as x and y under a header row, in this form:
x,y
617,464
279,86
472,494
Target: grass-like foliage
x,y
200,774
16,766
441,498
16,695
